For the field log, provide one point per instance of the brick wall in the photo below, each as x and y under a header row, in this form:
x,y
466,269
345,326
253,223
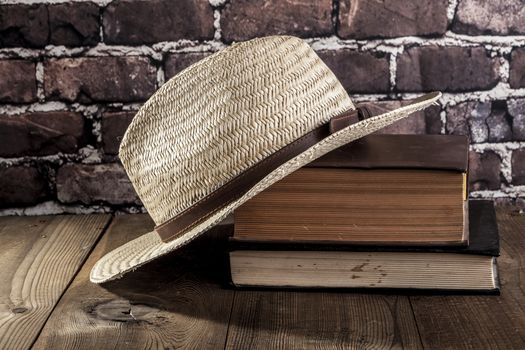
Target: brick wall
x,y
72,75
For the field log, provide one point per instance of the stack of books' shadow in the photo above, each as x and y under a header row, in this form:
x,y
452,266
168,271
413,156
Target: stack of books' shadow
x,y
383,212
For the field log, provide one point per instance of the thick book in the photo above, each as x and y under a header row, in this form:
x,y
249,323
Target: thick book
x,y
381,189
311,265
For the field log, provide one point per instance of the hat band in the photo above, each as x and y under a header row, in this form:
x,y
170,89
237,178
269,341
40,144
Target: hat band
x,y
235,188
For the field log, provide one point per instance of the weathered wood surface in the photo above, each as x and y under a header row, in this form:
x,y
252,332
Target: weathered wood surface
x,y
482,322
39,258
181,301
321,320
175,302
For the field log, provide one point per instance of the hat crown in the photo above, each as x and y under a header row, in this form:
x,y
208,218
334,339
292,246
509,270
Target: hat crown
x,y
224,114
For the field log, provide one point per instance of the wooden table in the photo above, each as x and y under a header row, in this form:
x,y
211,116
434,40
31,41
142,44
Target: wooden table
x,y
183,301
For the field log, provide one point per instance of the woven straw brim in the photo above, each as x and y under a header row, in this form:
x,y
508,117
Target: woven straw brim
x,y
149,246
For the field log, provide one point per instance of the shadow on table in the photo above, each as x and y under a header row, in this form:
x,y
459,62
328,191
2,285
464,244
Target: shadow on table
x,y
191,286
192,281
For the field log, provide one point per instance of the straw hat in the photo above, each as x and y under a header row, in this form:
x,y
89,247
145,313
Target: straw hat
x,y
225,129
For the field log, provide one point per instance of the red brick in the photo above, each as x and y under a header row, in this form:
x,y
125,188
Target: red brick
x,y
499,17
469,118
99,79
512,204
20,186
519,204
74,24
481,121
114,125
37,134
246,19
518,167
23,25
17,82
90,184
484,171
150,21
177,62
498,124
359,72
422,122
361,19
447,69
516,109
517,68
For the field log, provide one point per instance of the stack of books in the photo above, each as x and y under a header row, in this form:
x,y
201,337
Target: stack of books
x,y
386,211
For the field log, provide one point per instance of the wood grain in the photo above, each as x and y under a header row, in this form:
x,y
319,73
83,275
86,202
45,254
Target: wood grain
x,y
482,322
40,256
321,320
178,302
174,302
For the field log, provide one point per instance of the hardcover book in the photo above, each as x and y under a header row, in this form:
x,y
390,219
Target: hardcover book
x,y
381,189
314,265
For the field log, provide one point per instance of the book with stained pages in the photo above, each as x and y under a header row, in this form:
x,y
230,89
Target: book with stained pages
x,y
381,189
313,265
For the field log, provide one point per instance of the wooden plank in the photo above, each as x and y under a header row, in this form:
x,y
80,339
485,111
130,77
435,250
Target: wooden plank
x,y
321,320
40,256
174,302
482,322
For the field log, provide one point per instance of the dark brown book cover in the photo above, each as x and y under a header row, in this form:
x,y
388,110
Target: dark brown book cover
x,y
438,152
